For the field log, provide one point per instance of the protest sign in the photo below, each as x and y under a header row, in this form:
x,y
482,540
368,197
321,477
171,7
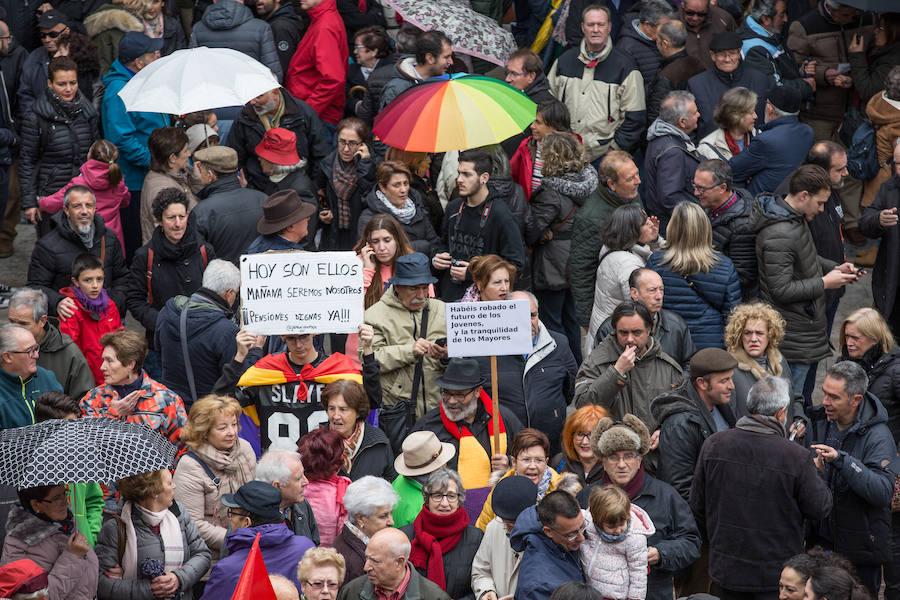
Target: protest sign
x,y
301,292
489,328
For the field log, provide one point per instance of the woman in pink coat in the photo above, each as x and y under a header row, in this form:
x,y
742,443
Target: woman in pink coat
x,y
322,451
104,177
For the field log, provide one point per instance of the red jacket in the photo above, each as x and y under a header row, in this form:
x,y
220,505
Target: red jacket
x,y
86,331
317,73
522,165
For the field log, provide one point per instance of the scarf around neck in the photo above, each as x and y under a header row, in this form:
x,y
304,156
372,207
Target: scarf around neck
x,y
435,536
633,487
69,109
169,533
351,446
404,214
345,179
97,307
474,464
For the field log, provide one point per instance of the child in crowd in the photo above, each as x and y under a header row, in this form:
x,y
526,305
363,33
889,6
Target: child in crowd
x,y
97,312
614,553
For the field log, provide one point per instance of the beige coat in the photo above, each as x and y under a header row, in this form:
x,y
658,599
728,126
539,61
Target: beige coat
x,y
203,498
394,326
154,183
496,565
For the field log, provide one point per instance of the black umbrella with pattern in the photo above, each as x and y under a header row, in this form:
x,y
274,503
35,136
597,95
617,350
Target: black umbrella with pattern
x,y
99,450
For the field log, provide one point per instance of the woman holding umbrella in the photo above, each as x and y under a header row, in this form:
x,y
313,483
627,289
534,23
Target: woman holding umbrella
x,y
163,555
42,528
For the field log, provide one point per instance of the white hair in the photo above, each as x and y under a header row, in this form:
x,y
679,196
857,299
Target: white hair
x,y
275,465
221,276
31,298
367,494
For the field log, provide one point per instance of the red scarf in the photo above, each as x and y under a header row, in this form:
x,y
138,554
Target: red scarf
x,y
436,535
633,487
732,145
473,463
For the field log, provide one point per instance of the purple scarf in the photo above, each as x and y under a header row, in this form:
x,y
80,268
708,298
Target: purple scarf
x,y
97,306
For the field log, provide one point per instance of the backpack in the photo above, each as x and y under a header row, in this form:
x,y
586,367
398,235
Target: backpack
x,y
862,155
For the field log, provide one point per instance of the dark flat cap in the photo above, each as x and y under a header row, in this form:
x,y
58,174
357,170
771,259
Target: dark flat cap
x,y
512,495
727,40
711,360
784,98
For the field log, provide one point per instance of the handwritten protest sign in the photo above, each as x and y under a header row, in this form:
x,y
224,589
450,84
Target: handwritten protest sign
x,y
301,292
489,328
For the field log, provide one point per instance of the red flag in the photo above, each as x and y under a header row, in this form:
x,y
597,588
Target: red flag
x,y
254,583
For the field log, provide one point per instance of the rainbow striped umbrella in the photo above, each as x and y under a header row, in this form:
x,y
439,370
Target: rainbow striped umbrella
x,y
454,113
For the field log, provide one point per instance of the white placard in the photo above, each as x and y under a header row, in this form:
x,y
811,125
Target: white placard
x,y
301,292
489,328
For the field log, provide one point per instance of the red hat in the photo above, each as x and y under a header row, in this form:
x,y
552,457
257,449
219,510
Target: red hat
x,y
279,147
22,577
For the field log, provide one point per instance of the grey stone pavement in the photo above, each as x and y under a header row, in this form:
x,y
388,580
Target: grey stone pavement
x,y
13,272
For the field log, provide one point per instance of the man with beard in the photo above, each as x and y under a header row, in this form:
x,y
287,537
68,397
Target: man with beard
x,y
276,108
465,419
78,230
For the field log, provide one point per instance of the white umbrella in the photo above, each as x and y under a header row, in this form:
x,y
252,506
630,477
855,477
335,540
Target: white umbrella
x,y
197,79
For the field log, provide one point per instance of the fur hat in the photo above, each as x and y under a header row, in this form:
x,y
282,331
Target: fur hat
x,y
613,436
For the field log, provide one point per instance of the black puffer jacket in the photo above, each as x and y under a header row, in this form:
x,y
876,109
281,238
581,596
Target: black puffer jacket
x,y
553,207
761,53
709,86
790,277
684,424
367,108
886,272
457,562
53,146
287,29
503,186
421,234
642,50
733,238
177,271
884,381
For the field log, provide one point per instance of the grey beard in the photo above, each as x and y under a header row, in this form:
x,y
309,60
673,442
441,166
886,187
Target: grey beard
x,y
460,415
86,235
266,109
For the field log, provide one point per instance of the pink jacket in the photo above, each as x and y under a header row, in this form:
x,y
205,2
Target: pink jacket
x,y
618,571
326,498
109,199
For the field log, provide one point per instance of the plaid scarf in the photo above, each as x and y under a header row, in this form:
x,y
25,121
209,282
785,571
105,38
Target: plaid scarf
x,y
344,179
351,446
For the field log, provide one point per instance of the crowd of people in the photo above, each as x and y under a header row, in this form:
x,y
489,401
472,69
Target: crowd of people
x,y
677,218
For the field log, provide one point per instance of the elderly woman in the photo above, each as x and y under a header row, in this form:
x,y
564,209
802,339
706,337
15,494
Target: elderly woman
x,y
443,542
370,502
577,456
217,462
529,451
366,448
41,528
155,527
129,394
735,116
701,284
752,336
169,154
321,573
393,195
676,544
629,237
323,457
493,279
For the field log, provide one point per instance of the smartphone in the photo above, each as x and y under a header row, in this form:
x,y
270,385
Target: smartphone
x,y
442,342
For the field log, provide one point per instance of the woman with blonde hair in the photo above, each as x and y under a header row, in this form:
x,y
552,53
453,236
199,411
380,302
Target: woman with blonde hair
x,y
752,336
217,462
493,279
321,573
735,116
419,163
577,456
567,181
701,285
866,339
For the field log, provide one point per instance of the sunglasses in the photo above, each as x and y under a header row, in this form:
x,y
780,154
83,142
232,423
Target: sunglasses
x,y
694,13
51,34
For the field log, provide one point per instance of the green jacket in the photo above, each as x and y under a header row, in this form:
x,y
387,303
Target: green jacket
x,y
61,356
17,396
584,257
411,500
86,504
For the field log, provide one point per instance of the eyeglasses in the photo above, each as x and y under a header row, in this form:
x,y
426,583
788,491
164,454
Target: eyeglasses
x,y
514,73
30,350
617,458
59,500
582,435
321,585
52,34
439,497
231,512
456,394
296,339
359,47
532,461
571,537
704,188
694,13
349,144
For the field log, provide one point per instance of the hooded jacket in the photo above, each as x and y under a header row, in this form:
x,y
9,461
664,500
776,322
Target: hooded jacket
x,y
883,370
419,230
33,80
86,330
384,70
129,131
227,214
280,548
51,260
780,147
598,381
612,288
28,536
60,356
765,53
232,25
545,565
885,116
708,87
790,277
618,570
704,300
210,333
317,73
886,272
109,23
553,207
396,328
17,396
684,423
404,77
53,146
859,526
110,198
733,237
605,97
671,159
